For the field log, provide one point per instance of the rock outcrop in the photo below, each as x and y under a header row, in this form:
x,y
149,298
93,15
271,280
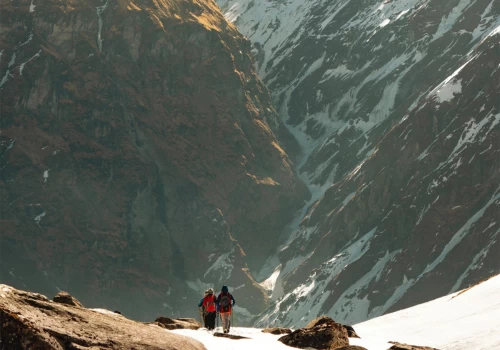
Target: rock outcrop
x,y
66,298
351,333
31,321
322,333
139,152
179,323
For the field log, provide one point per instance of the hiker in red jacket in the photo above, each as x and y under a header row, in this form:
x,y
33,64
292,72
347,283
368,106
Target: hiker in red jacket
x,y
225,303
208,304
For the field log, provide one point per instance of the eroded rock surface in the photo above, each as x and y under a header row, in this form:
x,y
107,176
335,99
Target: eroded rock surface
x,y
66,298
321,333
351,333
179,323
31,321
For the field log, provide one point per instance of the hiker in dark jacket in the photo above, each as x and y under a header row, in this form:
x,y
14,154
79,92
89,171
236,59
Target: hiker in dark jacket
x,y
208,304
225,302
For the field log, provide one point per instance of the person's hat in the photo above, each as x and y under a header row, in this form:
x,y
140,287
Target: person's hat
x,y
210,291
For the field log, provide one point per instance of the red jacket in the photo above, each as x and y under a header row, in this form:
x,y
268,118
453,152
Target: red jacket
x,y
209,303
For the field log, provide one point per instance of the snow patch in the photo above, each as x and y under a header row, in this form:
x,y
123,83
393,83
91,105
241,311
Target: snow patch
x,y
222,266
271,281
402,13
38,218
449,21
100,10
21,67
107,312
448,91
30,37
384,23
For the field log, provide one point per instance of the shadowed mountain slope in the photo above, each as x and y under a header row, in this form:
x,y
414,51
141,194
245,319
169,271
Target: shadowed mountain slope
x,y
139,157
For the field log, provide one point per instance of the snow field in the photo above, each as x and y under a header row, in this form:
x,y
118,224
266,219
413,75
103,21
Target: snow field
x,y
465,320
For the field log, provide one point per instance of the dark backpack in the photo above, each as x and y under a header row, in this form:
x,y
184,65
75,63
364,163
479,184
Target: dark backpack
x,y
225,302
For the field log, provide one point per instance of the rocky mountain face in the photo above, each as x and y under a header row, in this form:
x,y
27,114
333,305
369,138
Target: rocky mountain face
x,y
140,159
395,107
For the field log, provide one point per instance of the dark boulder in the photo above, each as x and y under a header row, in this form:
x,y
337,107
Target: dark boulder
x,y
321,333
67,299
277,330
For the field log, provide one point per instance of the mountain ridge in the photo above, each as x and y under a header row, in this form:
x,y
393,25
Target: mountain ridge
x,y
390,101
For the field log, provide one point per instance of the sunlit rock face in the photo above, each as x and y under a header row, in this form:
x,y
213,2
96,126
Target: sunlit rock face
x,y
140,159
395,107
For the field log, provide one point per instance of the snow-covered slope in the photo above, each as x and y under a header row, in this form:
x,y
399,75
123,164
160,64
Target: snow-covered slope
x,y
469,319
465,320
395,106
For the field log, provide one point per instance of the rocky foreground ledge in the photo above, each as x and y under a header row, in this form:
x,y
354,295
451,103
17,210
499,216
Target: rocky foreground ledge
x,y
31,321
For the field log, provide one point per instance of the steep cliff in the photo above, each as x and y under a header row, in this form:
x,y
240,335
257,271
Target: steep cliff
x,y
138,154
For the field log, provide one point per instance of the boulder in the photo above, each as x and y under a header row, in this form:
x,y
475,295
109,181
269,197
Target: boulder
x,y
401,346
277,330
178,323
67,299
322,333
351,333
31,321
